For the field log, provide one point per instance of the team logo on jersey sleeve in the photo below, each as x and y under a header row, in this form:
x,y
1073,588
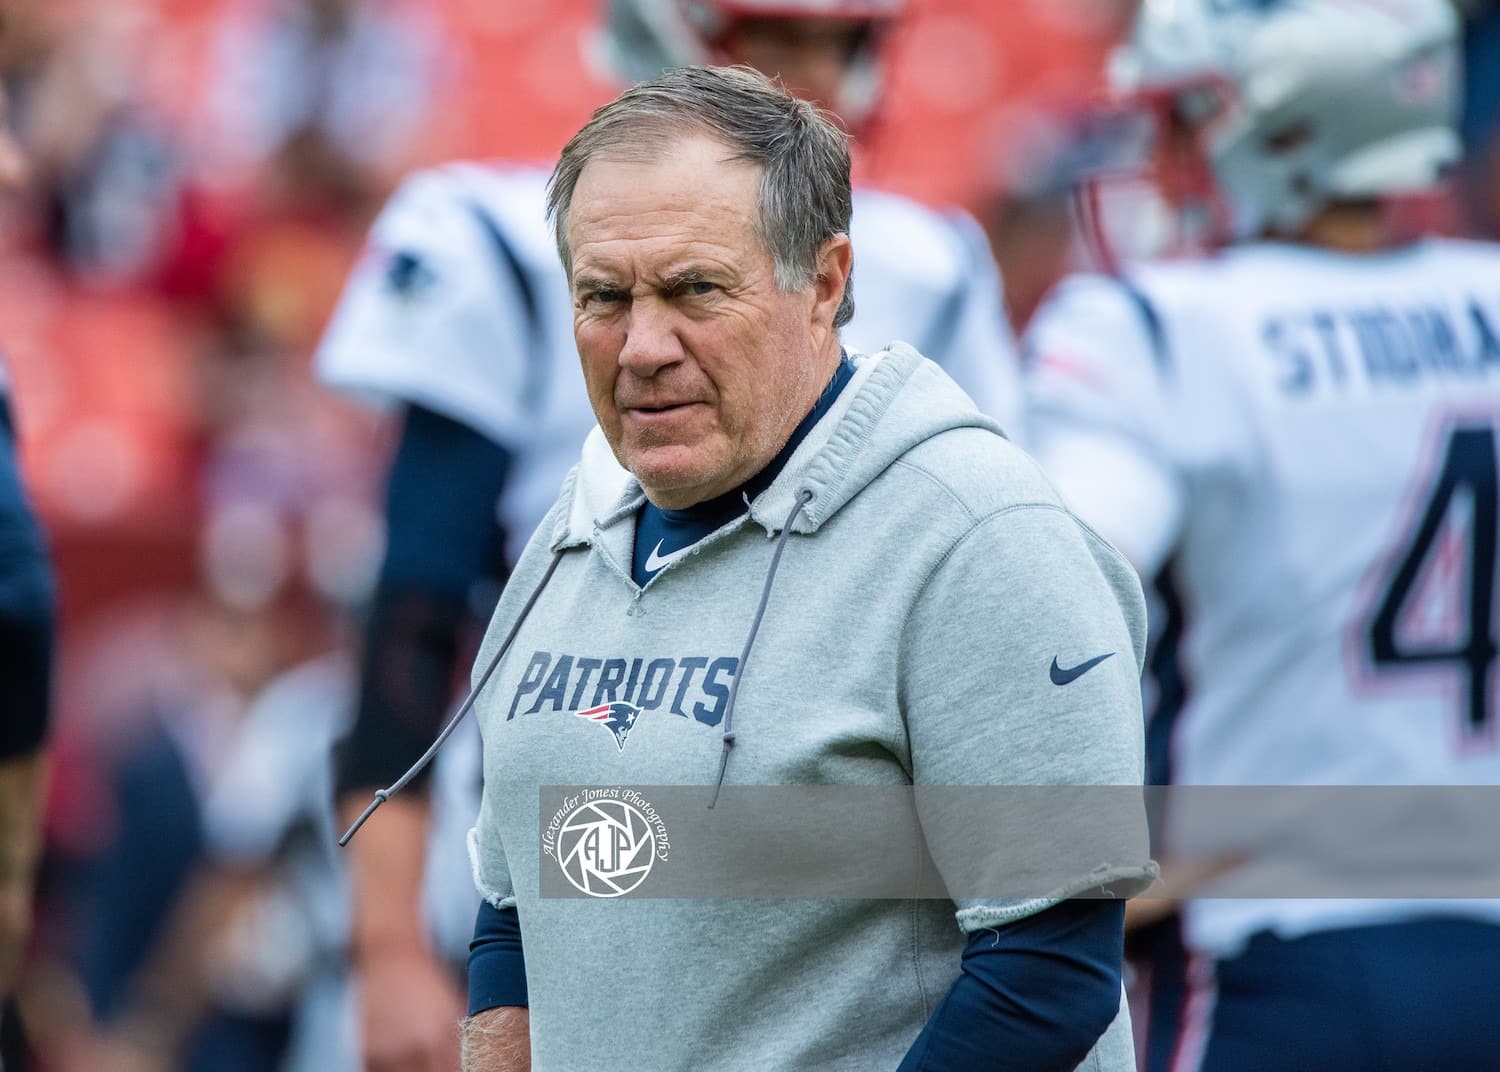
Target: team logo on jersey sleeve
x,y
406,275
616,717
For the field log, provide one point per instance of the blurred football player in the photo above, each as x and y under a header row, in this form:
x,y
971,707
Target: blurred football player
x,y
26,610
460,312
1296,430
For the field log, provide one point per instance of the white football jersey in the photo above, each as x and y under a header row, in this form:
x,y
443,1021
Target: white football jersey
x,y
460,304
1308,442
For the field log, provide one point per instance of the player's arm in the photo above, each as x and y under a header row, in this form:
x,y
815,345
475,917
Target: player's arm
x,y
442,537
26,641
1099,386
1021,591
430,318
434,318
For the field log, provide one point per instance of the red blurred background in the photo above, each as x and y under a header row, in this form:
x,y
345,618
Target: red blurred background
x,y
122,375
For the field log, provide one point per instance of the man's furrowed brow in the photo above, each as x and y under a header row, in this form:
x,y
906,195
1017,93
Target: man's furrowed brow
x,y
592,284
679,279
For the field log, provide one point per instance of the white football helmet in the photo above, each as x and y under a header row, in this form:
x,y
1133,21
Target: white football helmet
x,y
1292,104
642,38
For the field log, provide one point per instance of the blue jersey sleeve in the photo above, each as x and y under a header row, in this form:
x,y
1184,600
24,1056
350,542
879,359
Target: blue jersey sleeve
x,y
443,529
443,536
1034,995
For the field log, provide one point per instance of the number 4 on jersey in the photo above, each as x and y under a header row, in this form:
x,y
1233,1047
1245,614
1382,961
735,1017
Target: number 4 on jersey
x,y
1438,606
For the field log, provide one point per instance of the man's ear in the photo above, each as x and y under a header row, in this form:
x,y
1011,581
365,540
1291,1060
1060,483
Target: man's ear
x,y
835,262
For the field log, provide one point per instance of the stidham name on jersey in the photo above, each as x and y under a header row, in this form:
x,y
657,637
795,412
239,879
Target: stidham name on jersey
x,y
1323,350
695,686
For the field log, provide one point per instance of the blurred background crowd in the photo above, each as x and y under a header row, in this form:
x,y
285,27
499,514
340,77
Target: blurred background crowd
x,y
204,174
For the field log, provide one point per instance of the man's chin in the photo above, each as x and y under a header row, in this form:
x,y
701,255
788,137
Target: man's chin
x,y
676,477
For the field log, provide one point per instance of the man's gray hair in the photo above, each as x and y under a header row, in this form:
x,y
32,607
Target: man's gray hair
x,y
805,194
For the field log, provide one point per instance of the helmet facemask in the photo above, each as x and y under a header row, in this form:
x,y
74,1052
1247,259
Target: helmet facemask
x,y
1150,190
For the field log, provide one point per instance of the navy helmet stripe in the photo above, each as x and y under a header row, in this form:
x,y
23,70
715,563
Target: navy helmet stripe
x,y
534,388
1155,327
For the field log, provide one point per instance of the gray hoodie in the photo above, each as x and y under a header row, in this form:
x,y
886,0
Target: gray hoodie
x,y
929,579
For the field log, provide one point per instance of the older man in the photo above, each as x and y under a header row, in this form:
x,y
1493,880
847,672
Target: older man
x,y
459,315
899,631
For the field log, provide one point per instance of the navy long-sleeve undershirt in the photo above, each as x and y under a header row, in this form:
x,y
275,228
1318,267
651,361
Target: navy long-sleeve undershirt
x,y
497,964
1034,995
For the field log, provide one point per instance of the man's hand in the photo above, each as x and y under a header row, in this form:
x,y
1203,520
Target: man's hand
x,y
498,1040
15,927
410,1002
409,1012
21,782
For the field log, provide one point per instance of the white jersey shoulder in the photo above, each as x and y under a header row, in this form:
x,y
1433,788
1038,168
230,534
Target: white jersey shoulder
x,y
439,308
928,278
459,304
1326,428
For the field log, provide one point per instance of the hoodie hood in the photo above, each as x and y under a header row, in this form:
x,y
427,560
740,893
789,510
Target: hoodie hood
x,y
897,399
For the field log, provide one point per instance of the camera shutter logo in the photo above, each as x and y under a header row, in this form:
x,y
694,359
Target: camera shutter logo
x,y
606,848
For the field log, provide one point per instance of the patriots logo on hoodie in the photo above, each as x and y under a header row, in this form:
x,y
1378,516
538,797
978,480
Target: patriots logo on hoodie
x,y
616,717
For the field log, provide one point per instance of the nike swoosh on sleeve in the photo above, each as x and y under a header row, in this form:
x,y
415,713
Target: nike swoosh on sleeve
x,y
1062,676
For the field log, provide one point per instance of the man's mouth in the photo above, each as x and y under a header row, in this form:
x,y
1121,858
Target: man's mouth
x,y
658,408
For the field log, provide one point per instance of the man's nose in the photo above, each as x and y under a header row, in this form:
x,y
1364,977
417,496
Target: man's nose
x,y
651,341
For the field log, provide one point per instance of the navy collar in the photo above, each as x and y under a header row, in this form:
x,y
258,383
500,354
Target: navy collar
x,y
660,534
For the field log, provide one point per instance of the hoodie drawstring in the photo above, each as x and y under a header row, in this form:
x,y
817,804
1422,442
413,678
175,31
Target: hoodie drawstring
x,y
804,497
382,795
